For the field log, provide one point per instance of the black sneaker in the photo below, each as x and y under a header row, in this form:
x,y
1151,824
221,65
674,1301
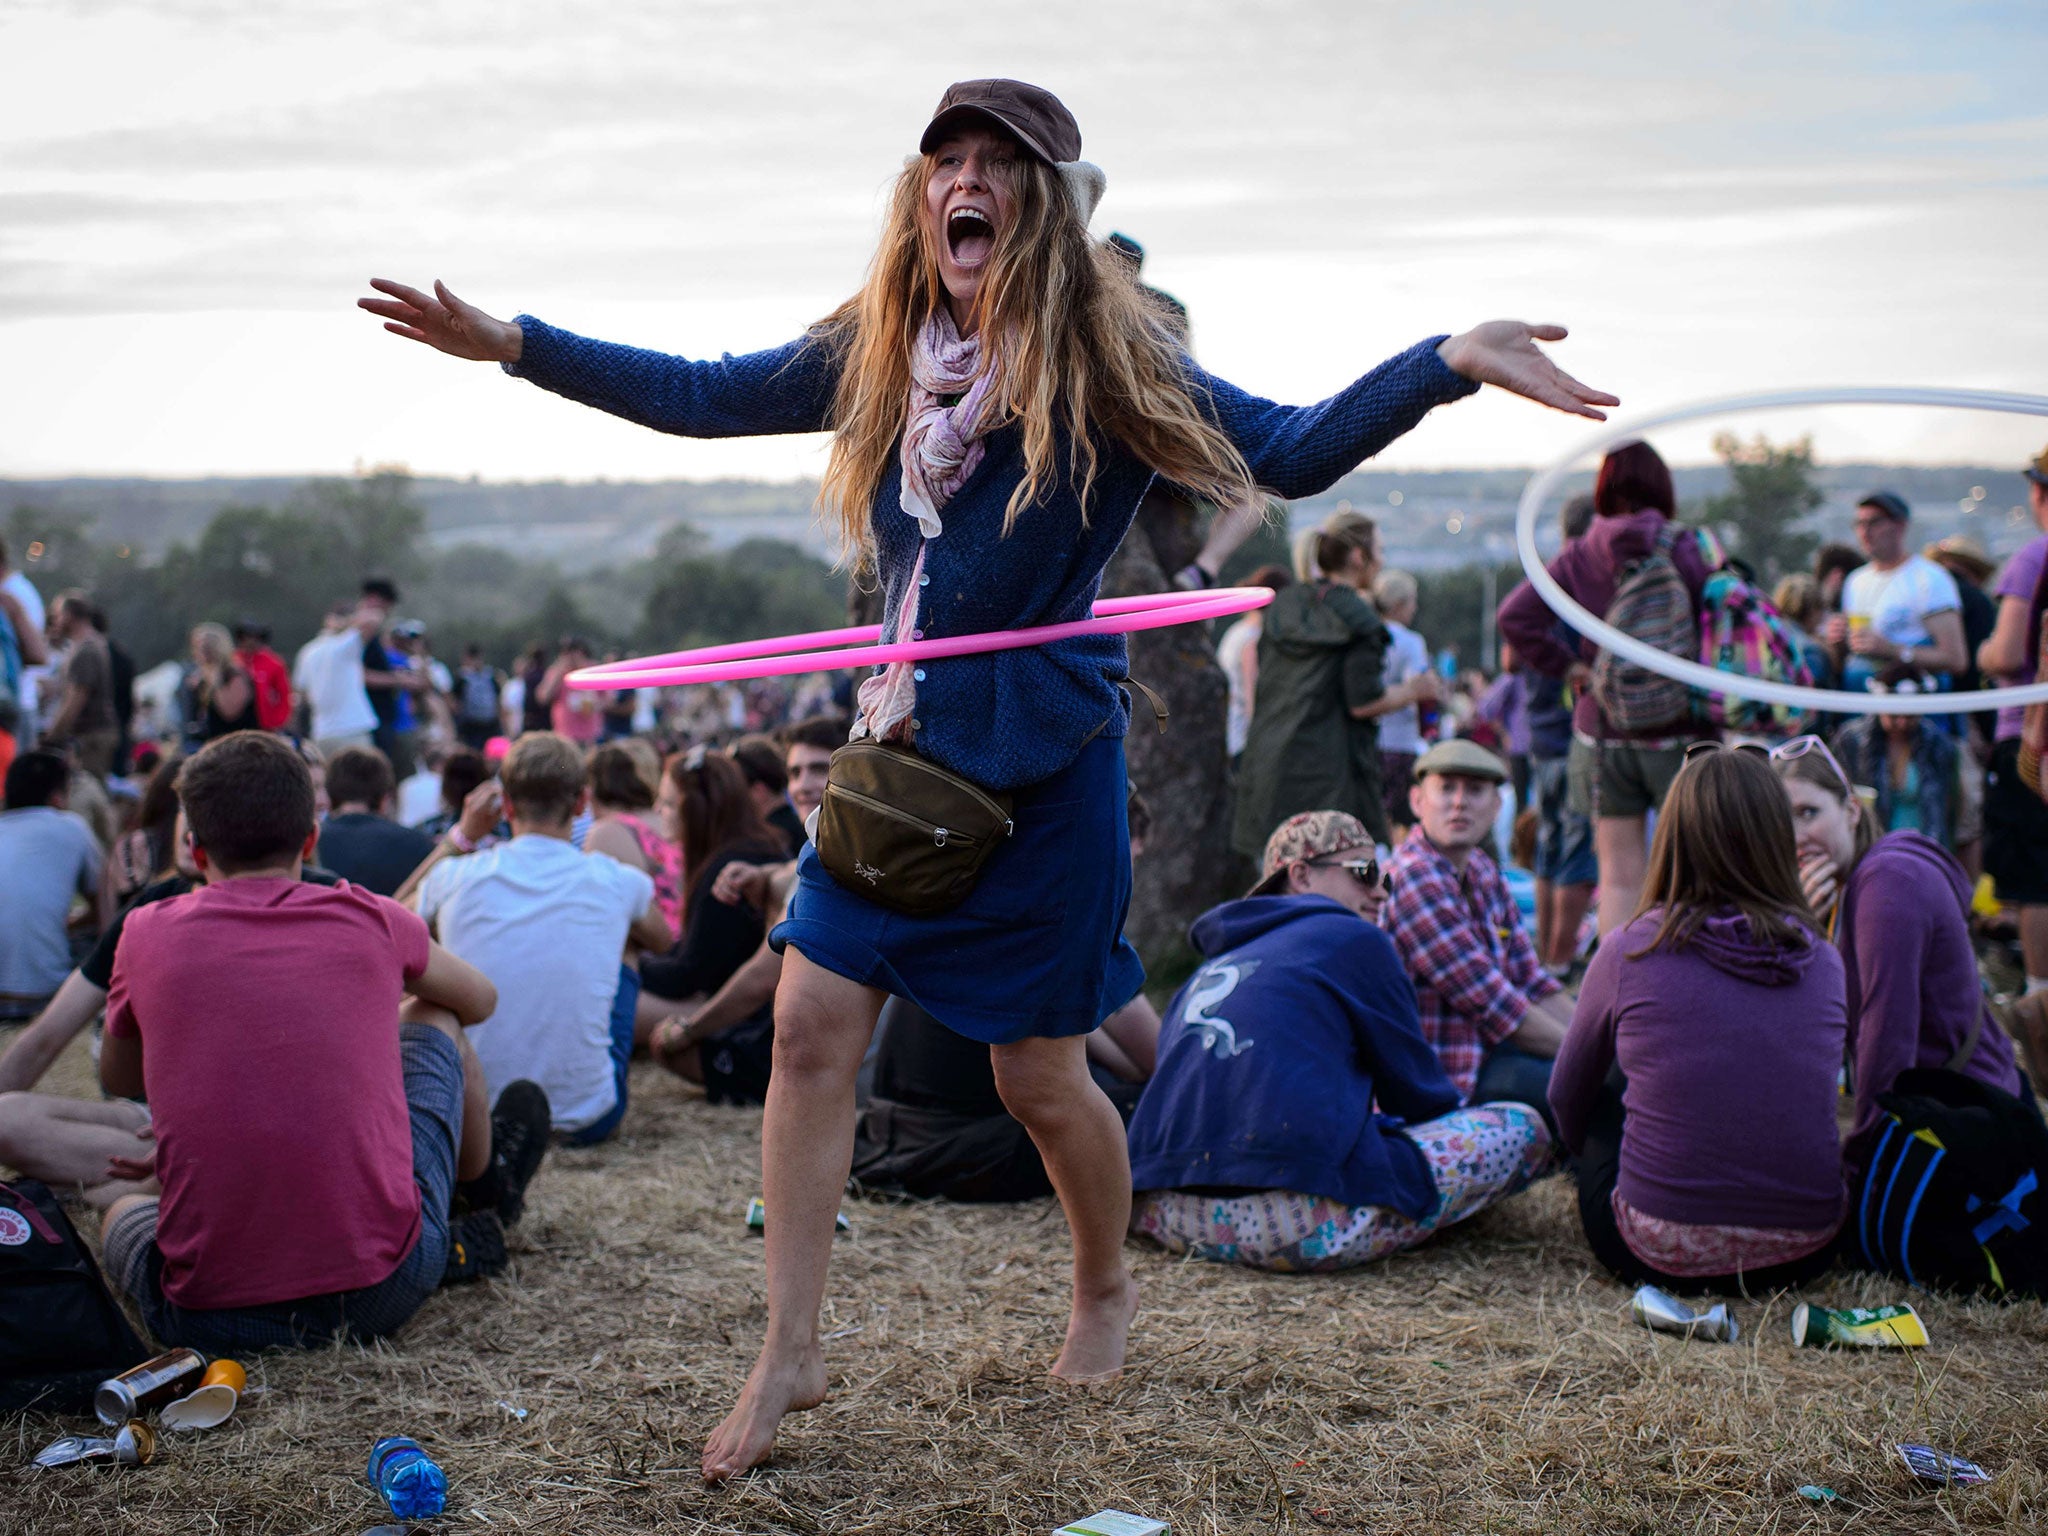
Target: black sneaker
x,y
476,1248
520,1127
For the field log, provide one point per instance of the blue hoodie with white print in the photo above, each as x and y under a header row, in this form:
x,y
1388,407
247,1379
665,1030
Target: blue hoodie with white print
x,y
1273,1053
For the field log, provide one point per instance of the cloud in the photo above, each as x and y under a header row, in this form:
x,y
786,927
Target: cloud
x,y
1673,175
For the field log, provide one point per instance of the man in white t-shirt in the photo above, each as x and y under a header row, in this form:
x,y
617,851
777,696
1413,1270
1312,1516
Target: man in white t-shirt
x,y
1901,606
1407,679
549,926
328,673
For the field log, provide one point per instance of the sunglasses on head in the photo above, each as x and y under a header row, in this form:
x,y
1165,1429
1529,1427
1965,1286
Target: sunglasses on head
x,y
1783,752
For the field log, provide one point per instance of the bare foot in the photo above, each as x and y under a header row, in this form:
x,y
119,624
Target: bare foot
x,y
774,1387
1096,1331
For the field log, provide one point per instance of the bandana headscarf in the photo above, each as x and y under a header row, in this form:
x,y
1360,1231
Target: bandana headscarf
x,y
942,443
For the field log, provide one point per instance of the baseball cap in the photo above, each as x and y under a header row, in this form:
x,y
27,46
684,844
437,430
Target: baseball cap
x,y
1891,503
1465,758
1038,119
1311,835
2038,470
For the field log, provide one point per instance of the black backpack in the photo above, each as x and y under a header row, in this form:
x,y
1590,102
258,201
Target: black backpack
x,y
1956,1194
61,1334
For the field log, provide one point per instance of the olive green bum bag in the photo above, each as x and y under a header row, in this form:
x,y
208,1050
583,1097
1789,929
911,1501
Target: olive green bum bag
x,y
907,834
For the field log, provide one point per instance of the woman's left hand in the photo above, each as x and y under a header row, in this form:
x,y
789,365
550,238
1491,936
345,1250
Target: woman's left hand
x,y
1504,352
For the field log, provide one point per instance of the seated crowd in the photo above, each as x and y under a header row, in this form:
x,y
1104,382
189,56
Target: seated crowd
x,y
336,1049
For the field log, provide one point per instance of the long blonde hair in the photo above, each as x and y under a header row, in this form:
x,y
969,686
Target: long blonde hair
x,y
1079,344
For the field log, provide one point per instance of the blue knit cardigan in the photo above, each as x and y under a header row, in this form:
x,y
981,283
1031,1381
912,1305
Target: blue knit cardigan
x,y
1013,717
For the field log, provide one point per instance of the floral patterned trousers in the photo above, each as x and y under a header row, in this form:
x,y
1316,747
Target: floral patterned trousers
x,y
1476,1156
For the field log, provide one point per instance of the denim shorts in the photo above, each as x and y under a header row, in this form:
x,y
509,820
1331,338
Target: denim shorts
x,y
433,1099
1564,838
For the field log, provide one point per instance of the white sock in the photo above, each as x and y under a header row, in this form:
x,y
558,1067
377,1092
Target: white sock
x,y
2036,984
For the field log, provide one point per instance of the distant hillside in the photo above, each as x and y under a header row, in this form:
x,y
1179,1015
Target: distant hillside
x,y
580,526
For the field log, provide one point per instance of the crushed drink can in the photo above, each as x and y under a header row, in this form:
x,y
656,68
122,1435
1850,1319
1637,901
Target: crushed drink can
x,y
149,1385
1667,1314
1896,1327
1932,1466
132,1445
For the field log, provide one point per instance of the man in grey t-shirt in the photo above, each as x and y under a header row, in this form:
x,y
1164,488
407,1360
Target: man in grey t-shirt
x,y
85,710
50,856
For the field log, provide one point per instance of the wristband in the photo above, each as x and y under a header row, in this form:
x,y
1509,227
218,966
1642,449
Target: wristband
x,y
459,840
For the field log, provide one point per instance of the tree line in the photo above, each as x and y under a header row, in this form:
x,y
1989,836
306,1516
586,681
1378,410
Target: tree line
x,y
283,566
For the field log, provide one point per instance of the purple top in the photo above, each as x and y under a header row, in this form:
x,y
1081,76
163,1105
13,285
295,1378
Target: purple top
x,y
1912,980
1589,568
1731,1050
2020,578
1506,704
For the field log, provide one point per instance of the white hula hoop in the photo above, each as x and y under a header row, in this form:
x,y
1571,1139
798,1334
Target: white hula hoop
x,y
1838,701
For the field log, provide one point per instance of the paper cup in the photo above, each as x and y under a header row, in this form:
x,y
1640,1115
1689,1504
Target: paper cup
x,y
207,1408
226,1373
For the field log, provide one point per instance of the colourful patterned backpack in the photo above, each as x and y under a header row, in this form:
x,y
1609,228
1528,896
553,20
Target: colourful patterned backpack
x,y
1742,631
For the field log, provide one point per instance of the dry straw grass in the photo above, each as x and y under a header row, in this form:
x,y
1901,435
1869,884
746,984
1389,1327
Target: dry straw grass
x,y
1489,1383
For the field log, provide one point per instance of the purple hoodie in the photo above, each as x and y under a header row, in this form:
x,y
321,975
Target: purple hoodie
x,y
1731,1050
1589,568
1912,976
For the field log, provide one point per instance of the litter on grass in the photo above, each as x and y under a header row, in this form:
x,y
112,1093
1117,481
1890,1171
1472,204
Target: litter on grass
x,y
1667,1314
1897,1327
1932,1466
1113,1522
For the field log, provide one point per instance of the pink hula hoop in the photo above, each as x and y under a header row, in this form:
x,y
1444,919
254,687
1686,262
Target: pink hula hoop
x,y
828,650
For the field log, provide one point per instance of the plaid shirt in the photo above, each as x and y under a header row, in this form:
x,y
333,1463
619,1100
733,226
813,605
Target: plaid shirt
x,y
1462,940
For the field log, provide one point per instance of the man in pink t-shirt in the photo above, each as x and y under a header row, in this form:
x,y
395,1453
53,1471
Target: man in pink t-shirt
x,y
312,1096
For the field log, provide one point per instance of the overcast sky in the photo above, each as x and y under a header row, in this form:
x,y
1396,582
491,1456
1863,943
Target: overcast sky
x,y
1716,198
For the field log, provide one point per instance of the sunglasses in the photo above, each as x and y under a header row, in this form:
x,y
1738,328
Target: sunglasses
x,y
1365,871
1784,752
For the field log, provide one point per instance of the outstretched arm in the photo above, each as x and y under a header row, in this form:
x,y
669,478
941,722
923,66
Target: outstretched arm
x,y
785,389
1298,451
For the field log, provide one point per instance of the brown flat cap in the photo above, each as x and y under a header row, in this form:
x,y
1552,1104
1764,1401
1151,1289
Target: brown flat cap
x,y
1038,119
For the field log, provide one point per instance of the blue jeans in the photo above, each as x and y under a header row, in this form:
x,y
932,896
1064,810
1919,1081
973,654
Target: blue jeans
x,y
624,1002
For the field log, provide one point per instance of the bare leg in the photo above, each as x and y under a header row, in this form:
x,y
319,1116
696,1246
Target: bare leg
x,y
2034,940
822,1026
1135,1030
473,1152
1568,916
1045,1084
1624,864
68,1142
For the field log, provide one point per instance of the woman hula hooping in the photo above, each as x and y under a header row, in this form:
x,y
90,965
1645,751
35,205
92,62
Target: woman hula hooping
x,y
1001,394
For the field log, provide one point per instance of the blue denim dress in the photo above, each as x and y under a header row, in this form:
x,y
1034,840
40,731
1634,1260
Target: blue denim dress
x,y
1036,949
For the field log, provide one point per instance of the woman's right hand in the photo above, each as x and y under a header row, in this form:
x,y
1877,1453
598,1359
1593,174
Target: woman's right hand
x,y
1425,687
1820,880
444,322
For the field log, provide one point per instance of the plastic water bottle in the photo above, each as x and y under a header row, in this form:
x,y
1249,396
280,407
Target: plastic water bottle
x,y
407,1478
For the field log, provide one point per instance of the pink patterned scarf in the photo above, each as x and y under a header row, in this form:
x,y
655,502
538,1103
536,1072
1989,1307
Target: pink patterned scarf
x,y
942,447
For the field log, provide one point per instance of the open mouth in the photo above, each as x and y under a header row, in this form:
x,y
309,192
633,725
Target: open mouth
x,y
970,236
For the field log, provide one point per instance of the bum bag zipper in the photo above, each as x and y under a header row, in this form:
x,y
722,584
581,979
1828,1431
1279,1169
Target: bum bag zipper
x,y
912,760
941,836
